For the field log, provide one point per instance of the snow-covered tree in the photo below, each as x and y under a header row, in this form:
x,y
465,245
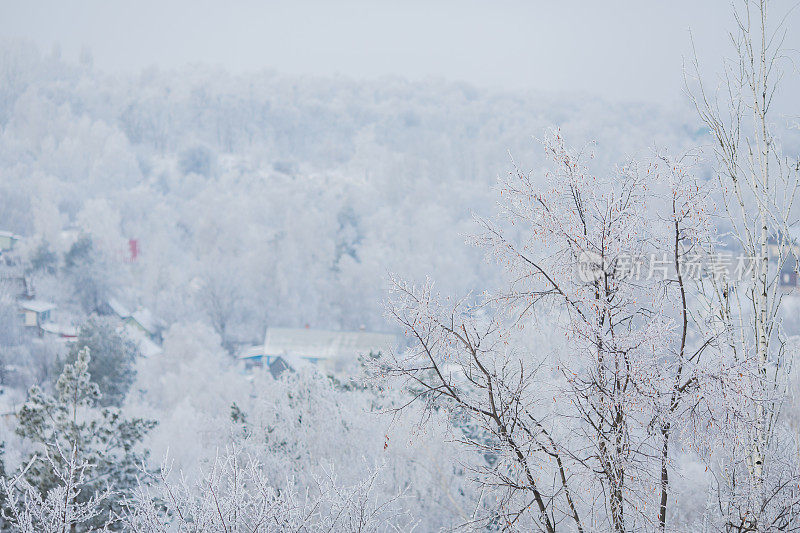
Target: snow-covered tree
x,y
753,455
89,272
112,365
235,494
71,437
580,431
65,507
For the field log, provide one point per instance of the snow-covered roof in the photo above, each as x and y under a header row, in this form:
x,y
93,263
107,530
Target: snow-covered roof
x,y
37,306
252,352
146,319
322,344
60,329
147,347
10,234
118,308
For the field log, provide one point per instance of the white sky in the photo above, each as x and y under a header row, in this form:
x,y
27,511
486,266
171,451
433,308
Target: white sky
x,y
615,49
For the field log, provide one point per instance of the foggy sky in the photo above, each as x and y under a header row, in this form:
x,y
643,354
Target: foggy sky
x,y
614,49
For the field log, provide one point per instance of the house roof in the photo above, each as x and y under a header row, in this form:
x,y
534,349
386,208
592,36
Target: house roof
x,y
37,306
60,329
252,352
10,234
146,347
118,308
323,344
146,319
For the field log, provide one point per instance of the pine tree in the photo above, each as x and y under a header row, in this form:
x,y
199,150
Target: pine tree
x,y
112,362
97,437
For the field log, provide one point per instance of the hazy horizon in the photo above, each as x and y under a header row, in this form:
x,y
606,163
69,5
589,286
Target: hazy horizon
x,y
520,47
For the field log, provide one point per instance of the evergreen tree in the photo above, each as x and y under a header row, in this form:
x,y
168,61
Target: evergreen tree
x,y
99,438
43,259
89,272
111,364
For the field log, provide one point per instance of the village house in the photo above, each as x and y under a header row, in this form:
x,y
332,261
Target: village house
x,y
35,313
140,326
141,321
332,351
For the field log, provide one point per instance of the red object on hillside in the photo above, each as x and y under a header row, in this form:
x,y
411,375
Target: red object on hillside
x,y
133,247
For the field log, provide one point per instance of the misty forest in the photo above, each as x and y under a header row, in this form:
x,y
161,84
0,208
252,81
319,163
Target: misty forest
x,y
267,302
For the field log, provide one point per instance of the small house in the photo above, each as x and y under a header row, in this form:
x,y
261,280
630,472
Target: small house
x,y
140,326
335,351
35,312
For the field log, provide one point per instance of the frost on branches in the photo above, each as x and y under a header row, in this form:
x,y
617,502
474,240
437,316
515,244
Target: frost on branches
x,y
581,435
753,451
235,495
65,507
